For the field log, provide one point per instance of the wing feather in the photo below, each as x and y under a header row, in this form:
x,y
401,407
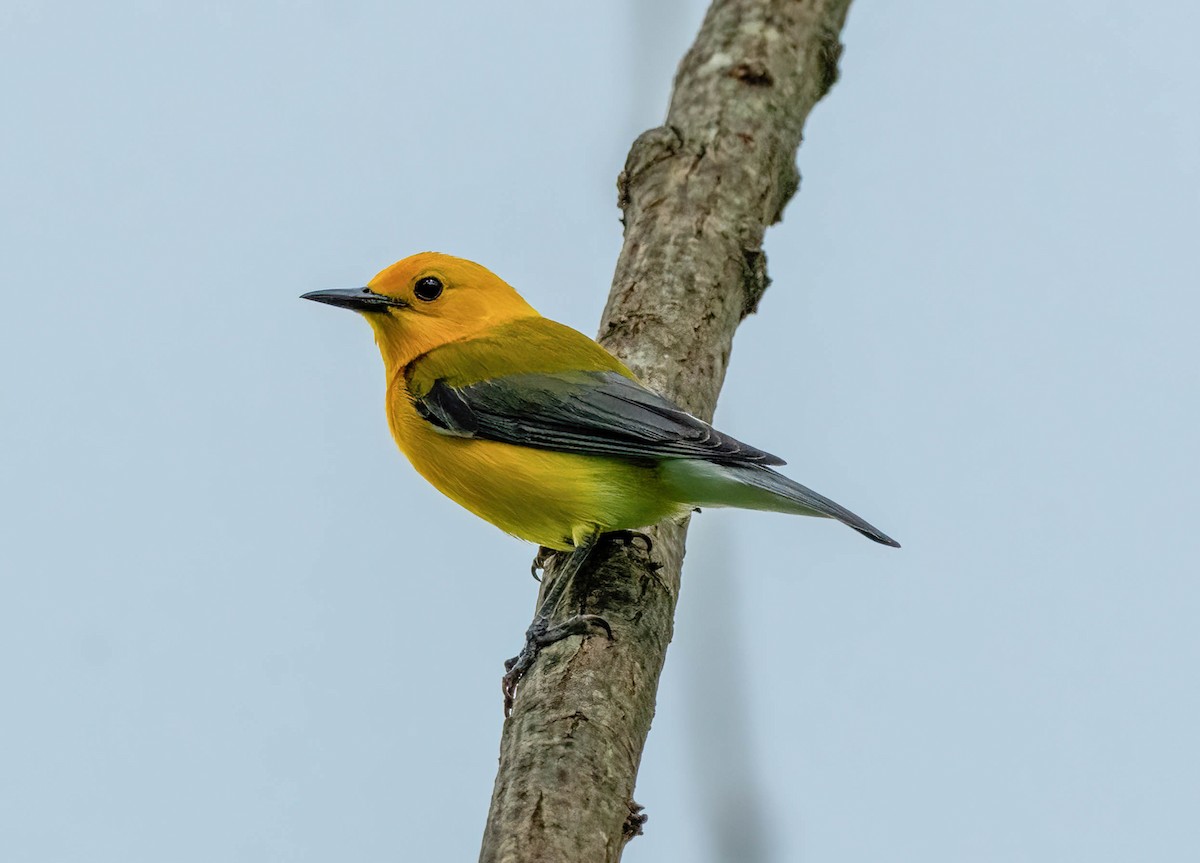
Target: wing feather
x,y
589,412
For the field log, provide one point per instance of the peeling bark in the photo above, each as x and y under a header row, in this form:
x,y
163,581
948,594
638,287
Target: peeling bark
x,y
697,195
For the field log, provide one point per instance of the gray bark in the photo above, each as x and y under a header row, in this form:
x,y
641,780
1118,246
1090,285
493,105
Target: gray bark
x,y
697,195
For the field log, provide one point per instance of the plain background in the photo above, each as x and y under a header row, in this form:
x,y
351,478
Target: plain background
x,y
236,626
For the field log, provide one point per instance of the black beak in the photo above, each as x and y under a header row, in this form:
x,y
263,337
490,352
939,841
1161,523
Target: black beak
x,y
355,299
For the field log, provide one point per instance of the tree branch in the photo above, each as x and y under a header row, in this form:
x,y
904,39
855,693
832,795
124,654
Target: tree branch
x,y
697,195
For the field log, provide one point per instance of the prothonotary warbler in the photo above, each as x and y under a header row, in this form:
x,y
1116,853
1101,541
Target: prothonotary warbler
x,y
536,428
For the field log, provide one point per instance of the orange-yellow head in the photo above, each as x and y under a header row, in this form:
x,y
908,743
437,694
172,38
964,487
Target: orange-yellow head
x,y
428,300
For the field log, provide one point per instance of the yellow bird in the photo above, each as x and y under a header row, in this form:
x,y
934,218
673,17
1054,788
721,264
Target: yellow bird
x,y
536,428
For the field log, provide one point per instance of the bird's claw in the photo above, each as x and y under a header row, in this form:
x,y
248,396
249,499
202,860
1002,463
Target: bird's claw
x,y
628,537
541,635
540,561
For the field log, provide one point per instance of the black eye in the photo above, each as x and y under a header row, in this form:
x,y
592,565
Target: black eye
x,y
428,289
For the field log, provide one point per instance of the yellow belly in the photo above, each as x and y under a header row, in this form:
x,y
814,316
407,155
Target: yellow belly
x,y
538,495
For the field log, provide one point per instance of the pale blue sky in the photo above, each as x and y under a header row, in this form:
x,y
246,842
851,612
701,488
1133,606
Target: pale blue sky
x,y
221,589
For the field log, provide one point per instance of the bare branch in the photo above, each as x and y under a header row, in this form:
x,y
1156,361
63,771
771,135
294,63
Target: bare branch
x,y
697,195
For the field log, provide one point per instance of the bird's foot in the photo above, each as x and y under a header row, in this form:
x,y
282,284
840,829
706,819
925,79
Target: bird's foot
x,y
628,537
540,561
541,635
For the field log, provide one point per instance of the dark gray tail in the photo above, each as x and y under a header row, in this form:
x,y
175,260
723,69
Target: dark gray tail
x,y
699,482
808,501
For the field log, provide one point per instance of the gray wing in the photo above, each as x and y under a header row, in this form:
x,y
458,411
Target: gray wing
x,y
596,413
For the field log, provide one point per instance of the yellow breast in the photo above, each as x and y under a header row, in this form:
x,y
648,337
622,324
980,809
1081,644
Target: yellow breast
x,y
538,495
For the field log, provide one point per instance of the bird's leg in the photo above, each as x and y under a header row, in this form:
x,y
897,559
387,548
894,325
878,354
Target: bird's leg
x,y
541,633
540,561
626,539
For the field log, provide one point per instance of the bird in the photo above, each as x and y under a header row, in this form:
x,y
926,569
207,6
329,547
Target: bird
x,y
538,429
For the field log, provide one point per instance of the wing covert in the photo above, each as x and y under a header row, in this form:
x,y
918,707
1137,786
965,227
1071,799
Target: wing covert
x,y
589,412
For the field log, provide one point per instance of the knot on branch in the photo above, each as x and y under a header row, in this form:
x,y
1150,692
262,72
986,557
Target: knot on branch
x,y
789,184
755,280
753,72
651,148
829,52
635,821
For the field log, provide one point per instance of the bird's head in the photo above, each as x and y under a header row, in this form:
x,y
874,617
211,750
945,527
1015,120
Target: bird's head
x,y
428,300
